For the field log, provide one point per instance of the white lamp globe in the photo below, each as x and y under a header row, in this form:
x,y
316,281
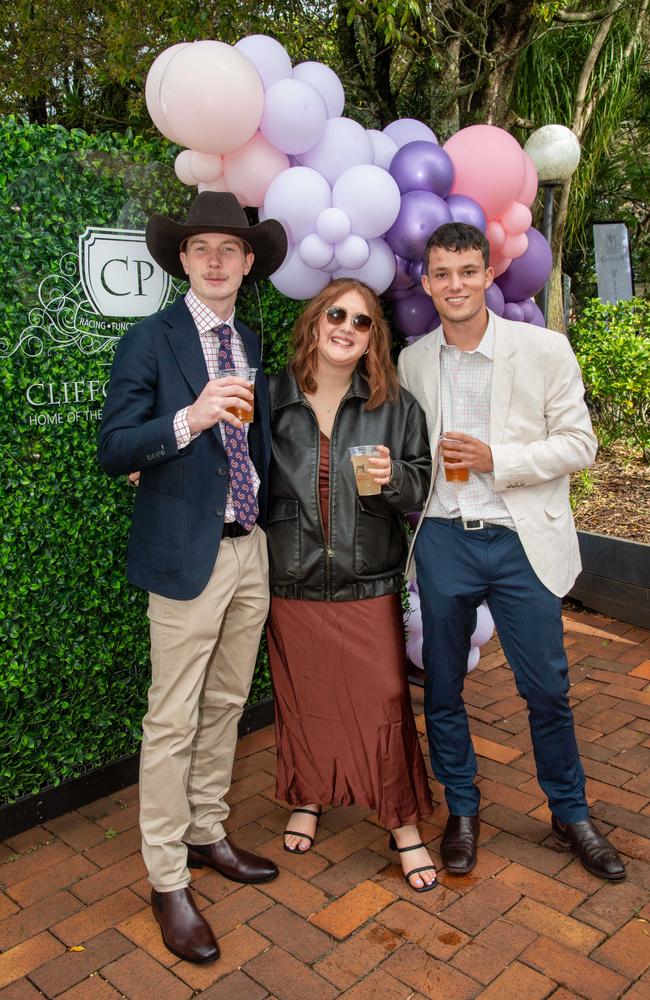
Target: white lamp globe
x,y
555,152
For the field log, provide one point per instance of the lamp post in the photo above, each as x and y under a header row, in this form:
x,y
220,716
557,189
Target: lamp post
x,y
555,152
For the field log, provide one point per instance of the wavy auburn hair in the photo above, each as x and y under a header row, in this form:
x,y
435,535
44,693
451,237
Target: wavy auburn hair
x,y
376,366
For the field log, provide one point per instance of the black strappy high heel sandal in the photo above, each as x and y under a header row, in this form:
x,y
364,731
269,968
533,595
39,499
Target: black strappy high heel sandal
x,y
303,836
392,846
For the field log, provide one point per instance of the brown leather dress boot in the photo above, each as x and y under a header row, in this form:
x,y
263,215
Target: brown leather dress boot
x,y
595,854
232,862
184,931
458,845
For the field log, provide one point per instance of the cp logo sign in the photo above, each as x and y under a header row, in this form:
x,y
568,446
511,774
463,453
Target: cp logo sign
x,y
118,274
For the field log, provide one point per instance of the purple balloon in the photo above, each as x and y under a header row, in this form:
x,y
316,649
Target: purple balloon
x,y
528,307
415,315
416,270
464,209
420,214
513,311
537,319
402,284
529,273
494,299
423,166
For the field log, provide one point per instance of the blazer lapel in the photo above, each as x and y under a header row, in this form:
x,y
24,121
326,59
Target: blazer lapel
x,y
431,386
184,341
502,376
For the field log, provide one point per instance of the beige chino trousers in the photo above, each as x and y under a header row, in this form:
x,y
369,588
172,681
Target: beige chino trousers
x,y
203,655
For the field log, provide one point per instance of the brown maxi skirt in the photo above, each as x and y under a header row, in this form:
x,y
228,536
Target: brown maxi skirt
x,y
344,725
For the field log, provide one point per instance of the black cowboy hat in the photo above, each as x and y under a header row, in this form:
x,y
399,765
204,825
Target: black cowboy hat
x,y
217,212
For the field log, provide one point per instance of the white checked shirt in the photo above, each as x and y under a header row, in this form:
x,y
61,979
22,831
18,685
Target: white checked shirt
x,y
465,386
205,320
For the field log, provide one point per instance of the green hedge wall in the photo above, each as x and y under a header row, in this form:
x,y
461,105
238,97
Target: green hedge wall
x,y
74,664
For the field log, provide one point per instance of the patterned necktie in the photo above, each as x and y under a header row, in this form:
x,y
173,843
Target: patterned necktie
x,y
236,443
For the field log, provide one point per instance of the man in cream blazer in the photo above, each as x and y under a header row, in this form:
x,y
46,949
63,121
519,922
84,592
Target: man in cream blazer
x,y
505,403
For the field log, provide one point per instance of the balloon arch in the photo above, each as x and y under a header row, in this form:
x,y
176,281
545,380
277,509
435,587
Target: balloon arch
x,y
354,202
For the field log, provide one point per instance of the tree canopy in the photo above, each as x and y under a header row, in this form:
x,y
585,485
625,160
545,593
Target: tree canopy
x,y
519,64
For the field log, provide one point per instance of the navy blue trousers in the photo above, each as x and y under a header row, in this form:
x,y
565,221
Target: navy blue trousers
x,y
456,571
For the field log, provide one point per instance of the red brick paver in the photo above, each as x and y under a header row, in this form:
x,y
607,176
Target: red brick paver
x,y
527,924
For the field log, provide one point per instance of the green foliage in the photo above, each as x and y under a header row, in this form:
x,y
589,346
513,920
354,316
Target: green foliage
x,y
612,344
74,660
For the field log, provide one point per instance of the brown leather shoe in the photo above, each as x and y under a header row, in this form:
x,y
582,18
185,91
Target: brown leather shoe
x,y
184,931
458,845
232,862
595,854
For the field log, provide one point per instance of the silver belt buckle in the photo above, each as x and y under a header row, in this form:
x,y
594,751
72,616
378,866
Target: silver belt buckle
x,y
473,525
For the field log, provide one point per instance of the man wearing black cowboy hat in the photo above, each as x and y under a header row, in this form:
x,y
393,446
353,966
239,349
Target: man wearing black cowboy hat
x,y
196,544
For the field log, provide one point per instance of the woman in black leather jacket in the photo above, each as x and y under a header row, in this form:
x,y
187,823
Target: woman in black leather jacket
x,y
344,725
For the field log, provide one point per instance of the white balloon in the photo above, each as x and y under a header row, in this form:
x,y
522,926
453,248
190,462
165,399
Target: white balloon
x,y
183,167
206,168
270,59
294,116
296,197
383,146
333,225
315,252
152,89
370,198
484,626
326,82
344,144
405,130
379,269
352,252
473,658
297,280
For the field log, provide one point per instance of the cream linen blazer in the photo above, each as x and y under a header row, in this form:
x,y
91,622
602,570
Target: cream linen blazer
x,y
540,432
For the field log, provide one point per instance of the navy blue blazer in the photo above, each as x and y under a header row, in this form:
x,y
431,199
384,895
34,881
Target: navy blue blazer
x,y
179,506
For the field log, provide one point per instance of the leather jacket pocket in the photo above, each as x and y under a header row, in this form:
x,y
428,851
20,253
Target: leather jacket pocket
x,y
379,547
283,536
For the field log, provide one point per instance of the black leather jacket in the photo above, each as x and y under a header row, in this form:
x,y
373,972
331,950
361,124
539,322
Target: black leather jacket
x,y
366,550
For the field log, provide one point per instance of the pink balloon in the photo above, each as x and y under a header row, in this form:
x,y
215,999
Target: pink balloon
x,y
211,97
529,187
183,167
499,264
496,235
152,90
516,219
294,116
251,168
489,167
204,167
514,246
218,185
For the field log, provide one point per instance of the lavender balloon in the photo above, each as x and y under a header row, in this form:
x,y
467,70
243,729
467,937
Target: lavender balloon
x,y
464,209
528,306
415,315
423,166
537,318
527,274
494,299
420,214
513,311
416,270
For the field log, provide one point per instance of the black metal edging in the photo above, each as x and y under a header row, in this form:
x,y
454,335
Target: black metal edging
x,y
30,810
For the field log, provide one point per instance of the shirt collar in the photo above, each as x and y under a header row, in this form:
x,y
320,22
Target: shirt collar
x,y
205,318
486,345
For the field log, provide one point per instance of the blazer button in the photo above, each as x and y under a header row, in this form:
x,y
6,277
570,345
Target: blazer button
x,y
220,512
222,470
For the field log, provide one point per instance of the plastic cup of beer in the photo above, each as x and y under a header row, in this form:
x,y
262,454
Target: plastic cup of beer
x,y
248,374
365,477
452,475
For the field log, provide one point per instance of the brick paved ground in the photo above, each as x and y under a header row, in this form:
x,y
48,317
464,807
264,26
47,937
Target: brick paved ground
x,y
527,924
